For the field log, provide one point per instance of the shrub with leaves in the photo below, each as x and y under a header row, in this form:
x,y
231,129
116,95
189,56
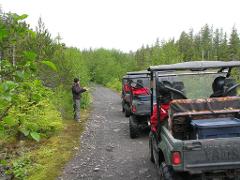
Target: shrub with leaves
x,y
25,106
115,84
30,112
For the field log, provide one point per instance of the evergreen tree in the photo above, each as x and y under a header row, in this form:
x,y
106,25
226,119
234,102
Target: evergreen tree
x,y
185,45
197,47
223,47
170,53
155,55
216,44
206,42
140,58
234,45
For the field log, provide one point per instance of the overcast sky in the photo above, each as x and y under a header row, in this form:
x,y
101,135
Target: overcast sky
x,y
125,24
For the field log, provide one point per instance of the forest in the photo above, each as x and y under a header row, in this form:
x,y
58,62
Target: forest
x,y
37,70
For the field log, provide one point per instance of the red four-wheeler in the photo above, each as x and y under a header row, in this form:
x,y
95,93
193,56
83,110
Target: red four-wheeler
x,y
126,90
195,122
136,101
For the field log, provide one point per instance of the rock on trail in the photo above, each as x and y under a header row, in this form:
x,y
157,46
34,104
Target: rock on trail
x,y
106,151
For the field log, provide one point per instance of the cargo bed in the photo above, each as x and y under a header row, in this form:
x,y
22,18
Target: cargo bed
x,y
211,154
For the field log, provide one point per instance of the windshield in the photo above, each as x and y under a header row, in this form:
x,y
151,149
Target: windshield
x,y
124,81
144,82
197,85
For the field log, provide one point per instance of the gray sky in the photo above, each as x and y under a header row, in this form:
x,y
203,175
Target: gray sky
x,y
125,24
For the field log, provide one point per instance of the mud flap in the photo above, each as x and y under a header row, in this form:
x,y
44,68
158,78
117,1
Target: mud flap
x,y
133,127
127,110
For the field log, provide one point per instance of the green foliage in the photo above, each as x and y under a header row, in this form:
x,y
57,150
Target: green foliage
x,y
234,45
85,100
35,136
76,67
31,61
108,66
32,113
63,102
185,44
24,102
50,65
37,72
45,160
70,64
26,105
115,84
20,169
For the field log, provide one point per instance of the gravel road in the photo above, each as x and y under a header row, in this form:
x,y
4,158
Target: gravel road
x,y
106,150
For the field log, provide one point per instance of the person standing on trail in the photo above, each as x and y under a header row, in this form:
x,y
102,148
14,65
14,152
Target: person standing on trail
x,y
76,92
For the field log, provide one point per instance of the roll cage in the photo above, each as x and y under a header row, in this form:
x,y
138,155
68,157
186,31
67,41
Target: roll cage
x,y
193,67
136,75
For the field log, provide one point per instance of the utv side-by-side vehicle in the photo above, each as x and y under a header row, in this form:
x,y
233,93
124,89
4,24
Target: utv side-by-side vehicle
x,y
126,95
136,101
200,135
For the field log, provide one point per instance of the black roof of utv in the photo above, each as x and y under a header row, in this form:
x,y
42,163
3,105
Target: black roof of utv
x,y
196,65
136,74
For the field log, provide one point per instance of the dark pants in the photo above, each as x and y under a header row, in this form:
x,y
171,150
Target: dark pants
x,y
76,109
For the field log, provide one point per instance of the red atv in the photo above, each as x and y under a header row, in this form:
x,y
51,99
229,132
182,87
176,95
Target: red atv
x,y
136,100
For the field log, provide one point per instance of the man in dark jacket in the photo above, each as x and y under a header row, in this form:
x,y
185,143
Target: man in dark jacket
x,y
77,91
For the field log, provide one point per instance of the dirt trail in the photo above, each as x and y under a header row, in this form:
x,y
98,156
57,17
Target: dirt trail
x,y
106,150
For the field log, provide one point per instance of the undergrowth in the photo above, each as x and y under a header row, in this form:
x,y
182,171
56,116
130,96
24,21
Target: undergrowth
x,y
47,159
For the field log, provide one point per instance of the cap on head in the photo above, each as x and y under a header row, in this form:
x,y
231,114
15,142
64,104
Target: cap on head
x,y
76,80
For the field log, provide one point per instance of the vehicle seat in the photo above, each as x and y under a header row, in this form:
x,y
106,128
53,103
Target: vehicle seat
x,y
218,87
229,82
179,86
139,83
176,85
166,96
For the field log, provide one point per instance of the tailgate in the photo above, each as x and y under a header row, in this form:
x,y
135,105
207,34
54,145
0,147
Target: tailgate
x,y
127,97
142,107
211,154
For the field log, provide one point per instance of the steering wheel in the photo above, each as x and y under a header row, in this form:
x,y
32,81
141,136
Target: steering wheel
x,y
231,89
176,91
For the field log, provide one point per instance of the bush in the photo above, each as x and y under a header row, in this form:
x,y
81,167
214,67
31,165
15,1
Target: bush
x,y
115,84
32,114
64,102
85,100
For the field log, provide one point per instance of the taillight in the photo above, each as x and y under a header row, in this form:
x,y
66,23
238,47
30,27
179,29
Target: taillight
x,y
176,158
134,108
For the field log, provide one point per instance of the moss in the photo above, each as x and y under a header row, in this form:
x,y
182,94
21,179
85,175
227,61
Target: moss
x,y
47,161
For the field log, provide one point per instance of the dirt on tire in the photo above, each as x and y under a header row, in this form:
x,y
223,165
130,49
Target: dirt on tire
x,y
106,150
